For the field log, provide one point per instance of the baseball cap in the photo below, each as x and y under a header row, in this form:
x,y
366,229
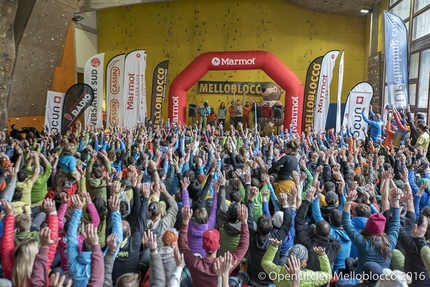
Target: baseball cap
x,y
211,240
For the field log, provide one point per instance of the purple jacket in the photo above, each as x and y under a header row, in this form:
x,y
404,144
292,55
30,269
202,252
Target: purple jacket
x,y
195,230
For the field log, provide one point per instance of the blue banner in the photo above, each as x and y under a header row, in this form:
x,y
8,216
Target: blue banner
x,y
396,60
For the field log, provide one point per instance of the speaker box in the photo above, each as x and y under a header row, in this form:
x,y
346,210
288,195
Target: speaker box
x,y
192,111
277,112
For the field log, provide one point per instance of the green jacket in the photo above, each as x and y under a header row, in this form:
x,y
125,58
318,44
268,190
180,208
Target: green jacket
x,y
97,186
308,278
40,186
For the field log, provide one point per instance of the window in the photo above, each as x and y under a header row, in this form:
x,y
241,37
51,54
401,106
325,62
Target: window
x,y
413,66
421,25
419,4
423,86
402,9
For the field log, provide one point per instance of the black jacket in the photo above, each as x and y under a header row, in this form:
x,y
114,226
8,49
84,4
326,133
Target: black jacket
x,y
332,246
258,245
127,259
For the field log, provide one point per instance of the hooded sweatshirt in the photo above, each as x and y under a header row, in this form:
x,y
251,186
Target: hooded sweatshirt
x,y
79,263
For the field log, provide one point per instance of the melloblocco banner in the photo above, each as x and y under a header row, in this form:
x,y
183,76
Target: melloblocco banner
x,y
159,81
77,99
311,88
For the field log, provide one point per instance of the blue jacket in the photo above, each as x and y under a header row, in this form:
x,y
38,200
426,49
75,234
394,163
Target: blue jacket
x,y
79,264
336,233
289,240
359,223
67,162
367,252
375,128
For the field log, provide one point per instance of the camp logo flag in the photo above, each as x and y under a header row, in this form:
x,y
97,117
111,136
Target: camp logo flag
x,y
339,92
77,99
159,81
114,91
94,77
311,88
322,99
396,60
135,63
53,111
359,97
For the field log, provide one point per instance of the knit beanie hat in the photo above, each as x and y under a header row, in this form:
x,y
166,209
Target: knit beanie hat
x,y
331,198
376,224
371,272
278,218
394,278
299,251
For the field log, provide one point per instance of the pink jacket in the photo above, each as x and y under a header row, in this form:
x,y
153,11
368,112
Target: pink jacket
x,y
62,245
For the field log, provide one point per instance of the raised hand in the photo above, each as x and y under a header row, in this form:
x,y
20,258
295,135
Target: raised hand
x,y
242,213
150,239
310,194
319,250
351,196
7,206
77,202
45,238
112,242
275,242
185,182
114,203
419,231
178,256
49,205
187,213
91,234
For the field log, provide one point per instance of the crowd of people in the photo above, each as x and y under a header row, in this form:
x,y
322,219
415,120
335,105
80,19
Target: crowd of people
x,y
192,205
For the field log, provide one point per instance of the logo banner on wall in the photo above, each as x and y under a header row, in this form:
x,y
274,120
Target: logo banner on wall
x,y
54,111
94,77
396,60
359,97
132,93
339,92
114,91
311,88
77,99
322,99
159,81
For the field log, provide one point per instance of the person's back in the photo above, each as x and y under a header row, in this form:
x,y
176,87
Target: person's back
x,y
229,237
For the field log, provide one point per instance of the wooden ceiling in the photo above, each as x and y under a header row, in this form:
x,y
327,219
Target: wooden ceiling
x,y
343,7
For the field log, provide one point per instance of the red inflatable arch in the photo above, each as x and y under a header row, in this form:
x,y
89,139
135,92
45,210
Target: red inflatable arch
x,y
240,60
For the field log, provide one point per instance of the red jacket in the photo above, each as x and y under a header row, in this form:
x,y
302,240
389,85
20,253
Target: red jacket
x,y
8,243
266,111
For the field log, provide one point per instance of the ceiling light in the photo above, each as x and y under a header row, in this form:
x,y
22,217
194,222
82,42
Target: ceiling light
x,y
365,11
77,18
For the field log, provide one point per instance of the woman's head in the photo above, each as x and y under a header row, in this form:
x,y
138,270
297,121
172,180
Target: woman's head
x,y
222,105
154,211
100,205
293,145
201,215
23,259
69,148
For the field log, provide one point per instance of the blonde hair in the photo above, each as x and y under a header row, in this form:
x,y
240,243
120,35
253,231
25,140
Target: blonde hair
x,y
23,222
23,260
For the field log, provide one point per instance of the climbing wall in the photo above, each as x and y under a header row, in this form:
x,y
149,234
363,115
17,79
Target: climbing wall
x,y
39,51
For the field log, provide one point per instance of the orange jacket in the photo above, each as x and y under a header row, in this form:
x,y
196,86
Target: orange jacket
x,y
232,111
246,111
